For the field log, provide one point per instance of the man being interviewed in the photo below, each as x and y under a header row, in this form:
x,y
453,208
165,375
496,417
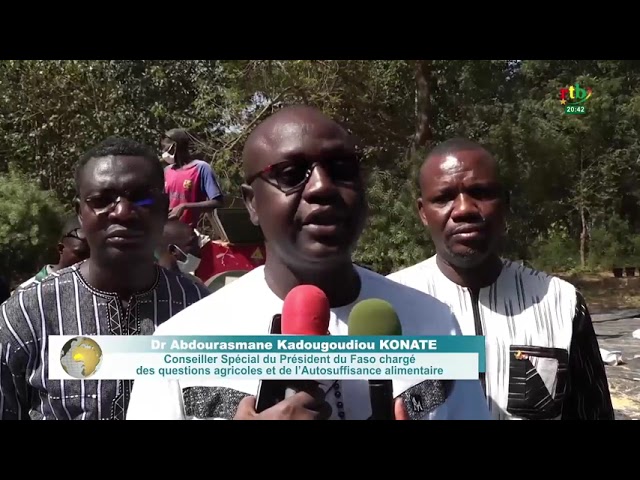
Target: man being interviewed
x,y
543,359
305,189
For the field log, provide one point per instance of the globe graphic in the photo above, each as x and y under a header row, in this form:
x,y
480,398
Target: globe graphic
x,y
81,357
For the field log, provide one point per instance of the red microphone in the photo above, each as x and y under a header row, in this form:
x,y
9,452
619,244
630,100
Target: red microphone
x,y
306,311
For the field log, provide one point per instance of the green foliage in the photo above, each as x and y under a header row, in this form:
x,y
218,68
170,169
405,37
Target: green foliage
x,y
30,224
53,111
562,169
556,251
394,237
611,244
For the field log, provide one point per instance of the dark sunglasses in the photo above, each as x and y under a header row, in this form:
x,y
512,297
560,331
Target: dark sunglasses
x,y
292,175
106,202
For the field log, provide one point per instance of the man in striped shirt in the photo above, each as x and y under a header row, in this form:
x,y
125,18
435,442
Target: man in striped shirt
x,y
119,290
543,359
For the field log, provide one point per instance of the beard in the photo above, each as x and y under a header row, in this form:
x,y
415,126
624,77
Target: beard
x,y
469,259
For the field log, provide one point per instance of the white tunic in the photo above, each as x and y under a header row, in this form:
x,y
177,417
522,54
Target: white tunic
x,y
247,306
540,343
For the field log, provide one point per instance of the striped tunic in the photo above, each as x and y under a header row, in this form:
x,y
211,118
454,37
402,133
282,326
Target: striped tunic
x,y
65,304
543,358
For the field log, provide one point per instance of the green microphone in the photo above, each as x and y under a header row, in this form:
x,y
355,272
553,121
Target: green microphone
x,y
376,317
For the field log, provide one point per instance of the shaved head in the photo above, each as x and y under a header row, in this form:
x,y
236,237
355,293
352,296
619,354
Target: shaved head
x,y
445,152
462,203
303,187
288,122
175,232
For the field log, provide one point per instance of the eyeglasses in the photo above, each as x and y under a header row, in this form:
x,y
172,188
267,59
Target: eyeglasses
x,y
292,175
106,202
76,233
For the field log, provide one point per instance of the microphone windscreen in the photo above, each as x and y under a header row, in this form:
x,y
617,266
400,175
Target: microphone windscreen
x,y
305,311
374,316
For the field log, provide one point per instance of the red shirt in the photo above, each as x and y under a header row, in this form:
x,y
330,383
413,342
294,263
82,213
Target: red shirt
x,y
193,182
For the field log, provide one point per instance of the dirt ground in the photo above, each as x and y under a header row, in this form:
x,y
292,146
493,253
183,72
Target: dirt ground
x,y
615,334
605,293
615,307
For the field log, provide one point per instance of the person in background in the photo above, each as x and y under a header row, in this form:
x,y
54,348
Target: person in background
x,y
72,247
305,188
118,290
543,358
179,250
190,183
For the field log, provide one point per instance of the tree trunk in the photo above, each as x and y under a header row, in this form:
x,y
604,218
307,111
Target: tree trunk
x,y
424,127
584,236
584,230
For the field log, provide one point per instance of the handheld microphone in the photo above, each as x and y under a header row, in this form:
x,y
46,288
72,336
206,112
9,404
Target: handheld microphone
x,y
305,311
376,317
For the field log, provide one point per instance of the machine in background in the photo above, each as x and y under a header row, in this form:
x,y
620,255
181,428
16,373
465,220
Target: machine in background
x,y
238,248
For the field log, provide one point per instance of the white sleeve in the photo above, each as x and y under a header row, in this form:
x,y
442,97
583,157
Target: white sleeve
x,y
466,401
156,399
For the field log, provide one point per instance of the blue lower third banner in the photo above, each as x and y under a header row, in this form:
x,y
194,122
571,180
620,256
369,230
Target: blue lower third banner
x,y
111,357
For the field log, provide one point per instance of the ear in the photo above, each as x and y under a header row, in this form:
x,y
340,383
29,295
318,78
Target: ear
x,y
76,207
249,202
60,248
423,217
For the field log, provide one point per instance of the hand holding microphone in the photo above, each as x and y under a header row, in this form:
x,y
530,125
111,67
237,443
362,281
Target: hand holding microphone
x,y
307,404
305,311
400,410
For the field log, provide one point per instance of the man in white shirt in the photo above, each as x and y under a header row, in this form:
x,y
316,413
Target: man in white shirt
x,y
543,359
305,189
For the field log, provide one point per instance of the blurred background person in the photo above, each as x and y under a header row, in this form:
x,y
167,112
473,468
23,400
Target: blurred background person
x,y
191,184
179,250
72,248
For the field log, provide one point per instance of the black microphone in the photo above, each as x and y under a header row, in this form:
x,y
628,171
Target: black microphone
x,y
305,311
377,318
271,392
